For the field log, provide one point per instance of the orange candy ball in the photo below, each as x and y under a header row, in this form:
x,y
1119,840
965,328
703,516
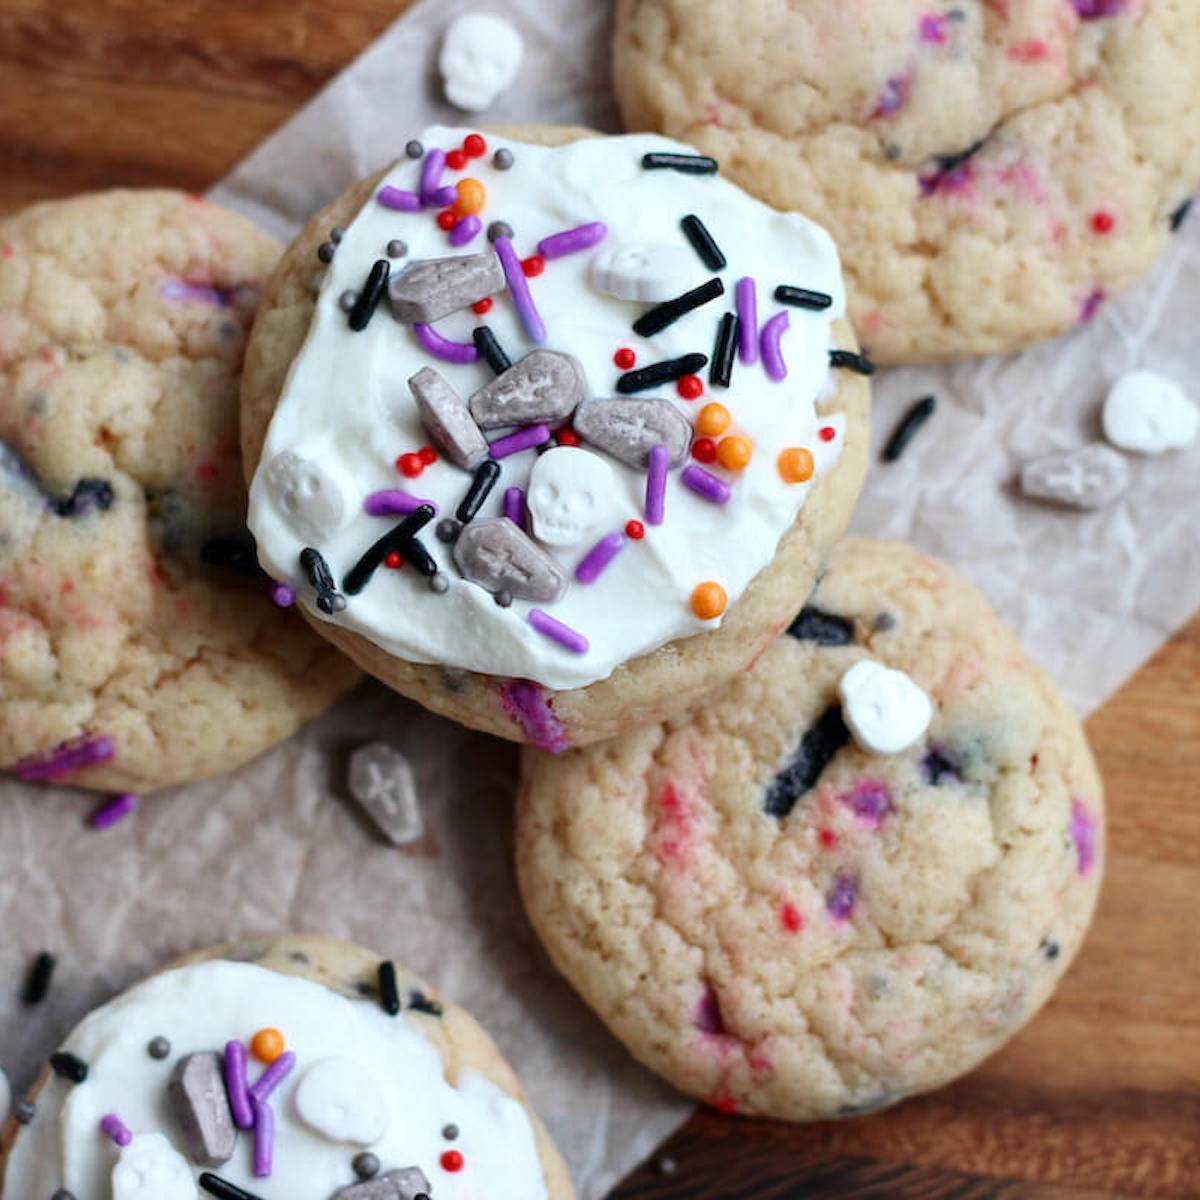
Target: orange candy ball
x,y
734,453
795,465
472,196
709,600
713,420
267,1045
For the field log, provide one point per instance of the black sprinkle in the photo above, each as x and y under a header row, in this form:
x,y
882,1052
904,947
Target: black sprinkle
x,y
389,994
24,1111
938,767
660,372
450,1133
329,599
912,420
703,243
486,475
490,350
947,162
158,1047
815,752
421,1003
69,1066
214,1185
667,313
37,982
90,495
721,371
800,297
689,164
368,299
365,1165
816,625
859,363
397,538
326,251
415,553
235,552
1050,948
1180,215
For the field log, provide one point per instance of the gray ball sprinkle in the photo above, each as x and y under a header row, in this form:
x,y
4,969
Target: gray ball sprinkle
x,y
499,229
158,1047
414,149
439,583
325,251
448,530
503,598
366,1165
397,248
347,300
503,159
336,234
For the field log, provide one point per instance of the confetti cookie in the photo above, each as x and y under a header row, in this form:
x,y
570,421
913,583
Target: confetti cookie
x,y
297,1066
138,644
992,170
559,433
785,922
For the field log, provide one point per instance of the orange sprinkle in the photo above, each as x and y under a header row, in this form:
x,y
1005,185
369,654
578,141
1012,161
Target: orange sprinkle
x,y
472,196
713,420
267,1045
734,453
795,465
708,600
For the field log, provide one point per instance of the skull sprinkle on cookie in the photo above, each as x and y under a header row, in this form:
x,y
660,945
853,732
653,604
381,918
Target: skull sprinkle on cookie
x,y
556,407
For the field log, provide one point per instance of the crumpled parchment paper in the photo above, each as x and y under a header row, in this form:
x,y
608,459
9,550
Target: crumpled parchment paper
x,y
278,846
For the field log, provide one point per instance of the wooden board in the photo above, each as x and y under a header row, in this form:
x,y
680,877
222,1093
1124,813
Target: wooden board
x,y
1100,1097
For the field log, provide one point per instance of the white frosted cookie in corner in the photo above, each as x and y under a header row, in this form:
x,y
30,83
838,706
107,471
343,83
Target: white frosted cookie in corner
x,y
565,425
293,1066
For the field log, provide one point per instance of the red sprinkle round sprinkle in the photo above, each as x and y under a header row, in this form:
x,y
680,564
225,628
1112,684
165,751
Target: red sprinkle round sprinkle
x,y
447,219
690,387
635,530
456,160
393,560
566,436
1103,222
790,918
427,455
704,450
452,1160
827,433
535,264
828,838
474,146
625,358
483,306
410,465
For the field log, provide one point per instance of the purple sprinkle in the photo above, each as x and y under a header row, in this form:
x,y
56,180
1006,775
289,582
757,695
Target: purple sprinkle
x,y
842,897
283,595
113,1127
870,802
570,241
432,170
398,199
74,755
518,287
465,231
705,484
564,635
1083,834
514,506
443,348
772,356
526,702
273,1076
598,557
180,289
235,1085
1092,10
708,1018
264,1139
1091,306
656,484
947,183
523,439
933,29
114,810
893,96
392,502
747,310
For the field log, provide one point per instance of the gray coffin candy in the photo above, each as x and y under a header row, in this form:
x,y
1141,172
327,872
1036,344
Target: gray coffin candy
x,y
382,782
498,556
544,386
406,1184
447,420
432,288
201,1106
1087,478
630,429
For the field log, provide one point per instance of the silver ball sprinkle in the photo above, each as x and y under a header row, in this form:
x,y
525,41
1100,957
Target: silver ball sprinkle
x,y
366,1165
414,149
503,598
503,159
325,252
63,1194
158,1047
397,248
499,229
667,1166
347,300
450,1133
23,1112
448,530
439,583
336,234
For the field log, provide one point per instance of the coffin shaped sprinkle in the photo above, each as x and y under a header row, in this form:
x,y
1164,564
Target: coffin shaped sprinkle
x,y
432,288
405,1184
197,1093
629,428
496,555
447,420
544,387
381,780
1087,478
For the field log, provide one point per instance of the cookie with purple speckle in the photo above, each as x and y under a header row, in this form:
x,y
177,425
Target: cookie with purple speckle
x,y
138,644
992,171
785,924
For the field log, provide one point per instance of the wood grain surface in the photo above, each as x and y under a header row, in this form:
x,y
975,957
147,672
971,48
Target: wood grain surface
x,y
1100,1097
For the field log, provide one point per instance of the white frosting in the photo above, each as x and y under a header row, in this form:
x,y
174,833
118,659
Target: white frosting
x,y
203,1006
1149,414
6,1096
883,708
481,55
346,406
150,1168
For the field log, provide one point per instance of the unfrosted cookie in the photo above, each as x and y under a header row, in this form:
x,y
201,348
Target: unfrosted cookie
x,y
783,924
368,1077
136,633
992,170
579,616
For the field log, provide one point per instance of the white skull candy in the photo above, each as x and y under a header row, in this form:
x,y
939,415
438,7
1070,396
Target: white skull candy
x,y
646,271
307,494
340,1100
570,493
150,1168
480,57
